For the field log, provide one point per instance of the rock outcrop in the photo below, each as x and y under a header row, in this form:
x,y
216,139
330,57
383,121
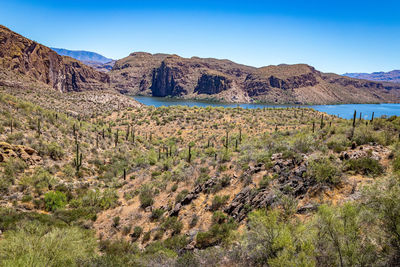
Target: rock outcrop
x,y
27,154
211,84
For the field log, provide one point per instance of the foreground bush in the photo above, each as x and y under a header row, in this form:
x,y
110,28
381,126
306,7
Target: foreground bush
x,y
34,244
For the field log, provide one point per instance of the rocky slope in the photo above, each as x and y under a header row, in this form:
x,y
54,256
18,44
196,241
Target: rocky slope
x,y
170,75
19,55
391,76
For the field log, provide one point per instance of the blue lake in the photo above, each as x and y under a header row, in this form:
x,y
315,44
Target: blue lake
x,y
344,111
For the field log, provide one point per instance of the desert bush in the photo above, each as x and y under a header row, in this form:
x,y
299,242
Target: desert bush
x,y
146,196
137,232
181,195
11,169
271,241
364,135
173,224
339,239
324,170
366,166
218,202
219,232
55,200
54,151
338,143
40,179
34,244
156,214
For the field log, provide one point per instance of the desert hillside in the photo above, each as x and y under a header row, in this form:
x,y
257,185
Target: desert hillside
x,y
194,186
19,55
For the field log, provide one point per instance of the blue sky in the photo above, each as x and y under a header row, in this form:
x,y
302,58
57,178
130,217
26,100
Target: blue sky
x,y
334,36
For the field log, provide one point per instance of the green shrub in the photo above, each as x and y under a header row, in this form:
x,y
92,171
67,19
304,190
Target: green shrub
x,y
55,151
146,197
304,143
323,170
55,200
181,195
173,224
137,232
366,166
219,232
26,198
338,143
271,241
146,236
174,187
11,169
396,163
265,181
40,179
218,202
116,221
35,244
156,214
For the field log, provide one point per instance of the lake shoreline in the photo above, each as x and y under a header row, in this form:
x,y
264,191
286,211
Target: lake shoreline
x,y
344,111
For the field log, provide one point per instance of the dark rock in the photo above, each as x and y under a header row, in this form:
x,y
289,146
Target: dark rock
x,y
307,208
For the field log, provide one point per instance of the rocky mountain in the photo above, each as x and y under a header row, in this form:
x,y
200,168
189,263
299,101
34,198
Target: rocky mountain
x,y
391,76
38,63
170,75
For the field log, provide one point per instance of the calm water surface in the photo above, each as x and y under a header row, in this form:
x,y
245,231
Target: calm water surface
x,y
344,111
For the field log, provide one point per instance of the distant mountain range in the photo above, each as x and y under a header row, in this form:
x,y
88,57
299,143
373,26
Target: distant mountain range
x,y
391,76
91,59
82,55
167,75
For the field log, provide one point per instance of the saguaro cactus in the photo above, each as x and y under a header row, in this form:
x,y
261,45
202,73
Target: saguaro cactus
x,y
127,132
354,124
38,127
322,121
227,140
78,158
116,138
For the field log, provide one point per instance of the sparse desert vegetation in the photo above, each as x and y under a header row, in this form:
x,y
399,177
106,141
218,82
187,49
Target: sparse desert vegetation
x,y
180,186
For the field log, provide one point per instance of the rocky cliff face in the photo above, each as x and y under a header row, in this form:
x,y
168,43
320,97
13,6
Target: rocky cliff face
x,y
211,84
171,75
163,81
39,63
282,77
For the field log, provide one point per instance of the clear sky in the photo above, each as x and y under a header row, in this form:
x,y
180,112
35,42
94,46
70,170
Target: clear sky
x,y
334,36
